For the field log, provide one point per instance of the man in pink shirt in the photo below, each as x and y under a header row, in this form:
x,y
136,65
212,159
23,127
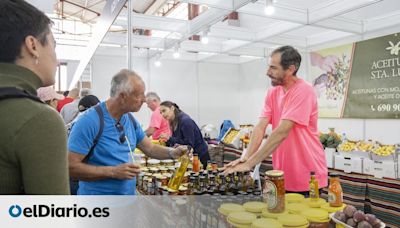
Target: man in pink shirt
x,y
158,125
291,107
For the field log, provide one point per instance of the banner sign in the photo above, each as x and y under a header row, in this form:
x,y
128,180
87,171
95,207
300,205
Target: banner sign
x,y
359,80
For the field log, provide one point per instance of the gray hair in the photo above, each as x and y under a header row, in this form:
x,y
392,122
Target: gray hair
x,y
74,93
153,96
84,92
120,82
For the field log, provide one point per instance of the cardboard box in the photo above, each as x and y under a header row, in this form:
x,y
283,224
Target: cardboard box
x,y
380,169
355,154
349,164
376,157
398,166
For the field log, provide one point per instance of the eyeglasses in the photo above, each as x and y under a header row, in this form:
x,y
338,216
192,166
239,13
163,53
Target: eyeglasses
x,y
120,128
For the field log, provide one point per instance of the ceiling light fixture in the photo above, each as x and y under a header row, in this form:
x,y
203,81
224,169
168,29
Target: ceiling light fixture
x,y
176,52
157,63
269,7
204,37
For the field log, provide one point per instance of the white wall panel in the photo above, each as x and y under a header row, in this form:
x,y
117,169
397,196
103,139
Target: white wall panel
x,y
385,131
219,93
253,86
176,81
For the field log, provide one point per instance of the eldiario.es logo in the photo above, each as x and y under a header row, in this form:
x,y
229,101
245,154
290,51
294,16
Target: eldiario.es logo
x,y
41,210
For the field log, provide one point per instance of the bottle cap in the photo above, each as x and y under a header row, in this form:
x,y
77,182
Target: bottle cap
x,y
334,174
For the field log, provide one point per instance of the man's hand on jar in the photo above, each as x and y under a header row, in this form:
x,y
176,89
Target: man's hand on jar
x,y
180,150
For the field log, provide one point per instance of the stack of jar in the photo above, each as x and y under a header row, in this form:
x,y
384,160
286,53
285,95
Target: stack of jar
x,y
292,210
214,182
154,177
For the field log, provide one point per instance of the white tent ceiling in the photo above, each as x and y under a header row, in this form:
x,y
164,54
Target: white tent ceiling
x,y
306,24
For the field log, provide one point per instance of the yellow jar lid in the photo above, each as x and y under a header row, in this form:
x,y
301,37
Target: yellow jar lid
x,y
296,208
292,220
316,215
265,213
294,197
254,206
330,209
237,225
274,173
244,218
167,161
228,208
266,223
317,203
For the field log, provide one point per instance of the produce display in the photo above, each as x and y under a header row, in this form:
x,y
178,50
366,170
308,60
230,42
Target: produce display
x,y
230,136
348,146
384,150
356,218
331,139
365,146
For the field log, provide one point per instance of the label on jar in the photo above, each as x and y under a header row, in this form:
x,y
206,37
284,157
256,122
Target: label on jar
x,y
270,194
313,194
331,197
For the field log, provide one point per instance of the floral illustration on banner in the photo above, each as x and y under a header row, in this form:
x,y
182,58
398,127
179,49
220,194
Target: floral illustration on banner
x,y
394,49
334,82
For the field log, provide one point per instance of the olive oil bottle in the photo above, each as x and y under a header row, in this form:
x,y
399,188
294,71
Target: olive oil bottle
x,y
314,190
176,180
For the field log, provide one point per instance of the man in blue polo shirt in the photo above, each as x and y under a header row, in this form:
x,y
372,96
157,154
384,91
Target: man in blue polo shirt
x,y
108,171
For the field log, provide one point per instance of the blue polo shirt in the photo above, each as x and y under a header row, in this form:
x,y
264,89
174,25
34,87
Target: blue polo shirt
x,y
109,151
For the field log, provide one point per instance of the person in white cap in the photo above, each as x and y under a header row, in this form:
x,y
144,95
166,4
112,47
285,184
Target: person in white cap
x,y
49,96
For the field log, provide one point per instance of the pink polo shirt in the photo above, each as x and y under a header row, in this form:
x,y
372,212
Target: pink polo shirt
x,y
159,123
301,152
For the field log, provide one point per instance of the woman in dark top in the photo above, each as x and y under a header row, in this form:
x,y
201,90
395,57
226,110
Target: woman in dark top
x,y
184,131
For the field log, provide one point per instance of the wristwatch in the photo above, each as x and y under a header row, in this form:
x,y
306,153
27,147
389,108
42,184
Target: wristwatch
x,y
170,150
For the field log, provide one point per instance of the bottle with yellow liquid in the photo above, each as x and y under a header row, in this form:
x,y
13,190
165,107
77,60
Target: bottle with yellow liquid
x,y
314,189
176,180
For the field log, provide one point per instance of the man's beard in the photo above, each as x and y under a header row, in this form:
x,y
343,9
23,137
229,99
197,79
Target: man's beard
x,y
276,81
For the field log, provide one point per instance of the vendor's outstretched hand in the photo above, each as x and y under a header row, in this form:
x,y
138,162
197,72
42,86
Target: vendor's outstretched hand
x,y
235,162
239,167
